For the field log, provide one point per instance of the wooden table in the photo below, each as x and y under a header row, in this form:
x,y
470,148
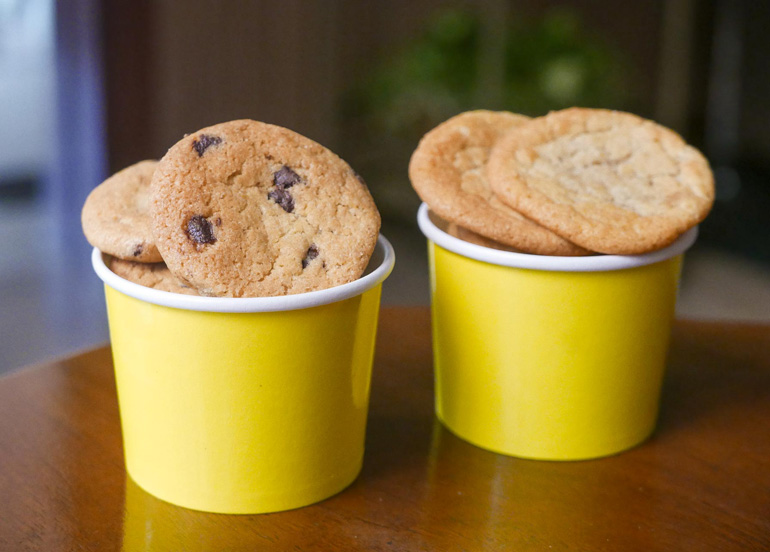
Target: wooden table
x,y
701,483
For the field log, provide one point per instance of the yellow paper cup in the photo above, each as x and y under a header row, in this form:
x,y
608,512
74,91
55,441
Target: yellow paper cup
x,y
553,358
245,405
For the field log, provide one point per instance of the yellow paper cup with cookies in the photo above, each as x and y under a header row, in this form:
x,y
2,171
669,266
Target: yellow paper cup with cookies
x,y
244,405
553,358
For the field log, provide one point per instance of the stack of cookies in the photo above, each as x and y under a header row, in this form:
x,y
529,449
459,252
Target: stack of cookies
x,y
573,182
238,209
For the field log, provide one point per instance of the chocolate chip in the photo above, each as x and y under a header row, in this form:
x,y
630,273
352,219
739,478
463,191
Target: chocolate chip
x,y
138,250
282,198
204,142
199,230
312,253
285,178
360,178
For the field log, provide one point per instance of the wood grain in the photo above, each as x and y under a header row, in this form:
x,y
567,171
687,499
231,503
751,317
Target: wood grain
x,y
701,482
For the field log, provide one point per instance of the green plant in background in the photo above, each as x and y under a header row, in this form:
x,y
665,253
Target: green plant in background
x,y
464,61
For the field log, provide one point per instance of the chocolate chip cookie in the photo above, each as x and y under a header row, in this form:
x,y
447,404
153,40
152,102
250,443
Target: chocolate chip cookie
x,y
609,181
116,217
448,171
152,275
245,209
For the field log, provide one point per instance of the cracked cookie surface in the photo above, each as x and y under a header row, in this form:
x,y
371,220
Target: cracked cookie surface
x,y
116,217
609,181
151,275
448,172
249,209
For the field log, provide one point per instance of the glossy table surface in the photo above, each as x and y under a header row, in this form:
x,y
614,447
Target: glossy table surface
x,y
701,483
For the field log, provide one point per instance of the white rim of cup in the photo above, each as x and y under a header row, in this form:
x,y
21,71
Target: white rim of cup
x,y
383,252
591,263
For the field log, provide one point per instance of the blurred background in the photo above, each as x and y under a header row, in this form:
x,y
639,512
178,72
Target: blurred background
x,y
88,87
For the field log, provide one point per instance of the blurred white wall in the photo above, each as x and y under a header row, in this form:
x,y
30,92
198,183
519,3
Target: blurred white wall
x,y
27,80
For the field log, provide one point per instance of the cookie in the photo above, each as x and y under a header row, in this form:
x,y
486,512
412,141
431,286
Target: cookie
x,y
477,239
151,275
609,181
457,231
247,209
448,172
116,218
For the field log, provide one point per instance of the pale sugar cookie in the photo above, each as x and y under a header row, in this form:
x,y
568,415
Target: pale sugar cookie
x,y
609,181
448,172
